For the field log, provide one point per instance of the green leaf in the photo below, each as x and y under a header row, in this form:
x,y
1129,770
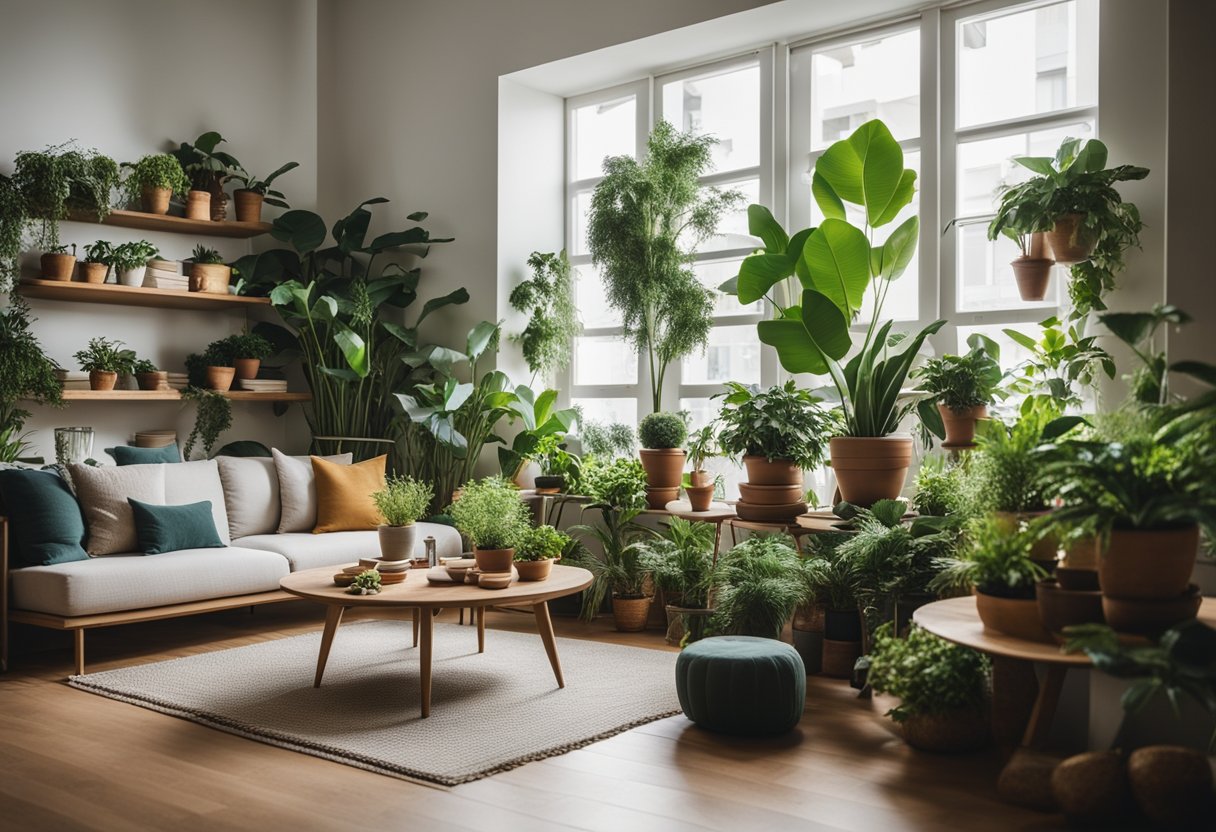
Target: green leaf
x,y
456,394
354,349
1197,370
902,196
302,230
480,338
759,273
825,324
900,247
417,216
1129,327
340,373
396,239
325,309
1036,164
931,417
865,169
730,286
405,335
760,223
828,200
795,350
1058,427
451,299
1021,339
837,256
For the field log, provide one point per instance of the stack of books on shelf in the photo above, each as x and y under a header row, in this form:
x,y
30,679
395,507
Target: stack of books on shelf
x,y
178,381
72,379
264,385
166,274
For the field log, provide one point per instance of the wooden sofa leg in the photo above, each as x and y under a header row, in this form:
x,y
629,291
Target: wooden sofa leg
x,y
78,637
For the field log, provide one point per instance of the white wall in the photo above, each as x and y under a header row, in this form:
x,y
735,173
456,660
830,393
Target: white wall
x,y
126,77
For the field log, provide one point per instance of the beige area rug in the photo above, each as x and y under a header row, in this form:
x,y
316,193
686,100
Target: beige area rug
x,y
490,712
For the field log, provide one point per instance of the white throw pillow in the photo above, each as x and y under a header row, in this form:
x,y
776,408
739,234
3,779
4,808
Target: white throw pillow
x,y
251,492
103,492
298,490
193,482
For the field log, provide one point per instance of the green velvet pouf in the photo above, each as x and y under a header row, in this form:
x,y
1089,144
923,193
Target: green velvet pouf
x,y
741,685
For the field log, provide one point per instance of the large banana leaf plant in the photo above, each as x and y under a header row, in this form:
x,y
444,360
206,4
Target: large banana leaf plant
x,y
346,317
817,279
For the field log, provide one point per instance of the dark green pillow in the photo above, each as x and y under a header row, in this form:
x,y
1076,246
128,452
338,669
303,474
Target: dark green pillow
x,y
45,522
130,455
161,529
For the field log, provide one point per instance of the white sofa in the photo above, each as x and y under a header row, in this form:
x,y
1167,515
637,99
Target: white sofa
x,y
123,588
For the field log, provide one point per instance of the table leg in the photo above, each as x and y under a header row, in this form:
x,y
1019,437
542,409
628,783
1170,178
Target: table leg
x,y
417,615
481,629
333,617
717,540
1039,725
545,625
424,661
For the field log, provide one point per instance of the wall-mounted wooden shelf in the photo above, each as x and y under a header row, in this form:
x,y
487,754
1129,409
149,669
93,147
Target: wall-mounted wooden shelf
x,y
113,293
178,225
174,396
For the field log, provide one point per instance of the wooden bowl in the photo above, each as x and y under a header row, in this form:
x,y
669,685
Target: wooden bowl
x,y
457,568
494,580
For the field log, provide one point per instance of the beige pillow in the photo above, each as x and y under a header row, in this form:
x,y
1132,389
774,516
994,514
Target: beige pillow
x,y
103,493
194,482
298,490
251,492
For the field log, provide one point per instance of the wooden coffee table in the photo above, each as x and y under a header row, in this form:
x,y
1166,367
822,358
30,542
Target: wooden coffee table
x,y
426,599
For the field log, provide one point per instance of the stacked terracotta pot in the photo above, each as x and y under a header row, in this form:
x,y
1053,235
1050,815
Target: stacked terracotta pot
x,y
664,473
1145,576
773,492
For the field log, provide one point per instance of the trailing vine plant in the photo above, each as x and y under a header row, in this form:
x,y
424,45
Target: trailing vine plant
x,y
61,179
12,230
214,417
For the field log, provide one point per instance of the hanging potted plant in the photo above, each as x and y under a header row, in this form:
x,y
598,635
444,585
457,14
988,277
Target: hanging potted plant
x,y
681,563
960,388
402,503
490,513
153,181
208,272
104,360
59,263
208,169
131,261
758,584
97,263
148,376
254,192
537,550
661,436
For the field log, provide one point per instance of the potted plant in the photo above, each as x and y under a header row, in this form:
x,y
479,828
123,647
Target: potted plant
x,y
943,689
254,192
1032,267
561,469
402,503
817,280
759,584
29,375
59,263
208,168
940,488
661,435
218,366
778,432
490,513
681,563
104,360
547,298
542,428
247,351
60,180
646,220
959,388
148,376
700,484
153,181
536,551
208,272
131,261
98,260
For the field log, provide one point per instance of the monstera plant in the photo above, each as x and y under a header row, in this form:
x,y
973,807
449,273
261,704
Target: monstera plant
x,y
817,280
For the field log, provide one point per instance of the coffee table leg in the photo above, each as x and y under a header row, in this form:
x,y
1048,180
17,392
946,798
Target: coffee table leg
x,y
1039,726
481,629
333,617
416,616
545,625
424,661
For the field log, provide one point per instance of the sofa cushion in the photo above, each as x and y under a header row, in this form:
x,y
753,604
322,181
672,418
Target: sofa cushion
x,y
251,494
310,551
194,482
344,494
132,581
103,493
131,455
161,529
298,490
44,518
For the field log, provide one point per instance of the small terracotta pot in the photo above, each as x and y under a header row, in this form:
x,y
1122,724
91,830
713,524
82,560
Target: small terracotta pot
x,y
155,200
761,471
494,560
220,378
664,466
960,424
1033,275
247,368
397,542
770,495
92,272
700,477
1150,565
58,266
533,570
658,498
1016,617
102,380
949,732
248,205
1060,608
839,658
1069,242
1151,618
198,206
869,469
211,278
630,614
158,380
700,497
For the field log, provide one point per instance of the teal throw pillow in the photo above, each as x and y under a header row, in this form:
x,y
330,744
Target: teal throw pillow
x,y
161,529
130,455
46,525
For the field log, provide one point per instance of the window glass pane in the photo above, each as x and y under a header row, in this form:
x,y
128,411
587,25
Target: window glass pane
x,y
1027,62
581,206
604,359
589,298
727,106
874,78
713,274
732,227
608,411
733,354
985,166
605,129
985,278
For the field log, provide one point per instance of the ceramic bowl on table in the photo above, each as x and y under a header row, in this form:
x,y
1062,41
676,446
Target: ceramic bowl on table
x,y
494,580
457,569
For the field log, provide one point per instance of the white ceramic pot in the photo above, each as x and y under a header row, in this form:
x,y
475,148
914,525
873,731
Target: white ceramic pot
x,y
397,542
133,277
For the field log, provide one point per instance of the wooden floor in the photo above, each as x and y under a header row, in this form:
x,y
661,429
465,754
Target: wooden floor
x,y
73,760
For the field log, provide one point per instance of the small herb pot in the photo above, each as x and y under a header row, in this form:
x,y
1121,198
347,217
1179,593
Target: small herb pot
x,y
158,380
494,560
247,368
58,266
248,205
220,378
155,200
700,497
397,542
198,206
534,570
133,277
92,272
102,380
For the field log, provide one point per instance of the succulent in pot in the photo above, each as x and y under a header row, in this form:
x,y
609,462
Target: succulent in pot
x,y
104,359
402,503
208,272
959,388
153,181
490,513
131,261
97,263
536,551
681,563
148,376
661,436
58,263
254,192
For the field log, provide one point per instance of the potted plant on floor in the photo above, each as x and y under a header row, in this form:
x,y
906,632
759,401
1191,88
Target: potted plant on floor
x,y
778,433
104,359
547,298
58,263
60,180
97,263
208,272
943,689
254,192
153,181
537,550
661,436
959,388
490,513
402,503
148,376
682,564
817,280
833,584
29,376
131,261
759,584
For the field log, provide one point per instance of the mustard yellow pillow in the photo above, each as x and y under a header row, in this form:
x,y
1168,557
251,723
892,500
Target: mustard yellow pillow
x,y
344,494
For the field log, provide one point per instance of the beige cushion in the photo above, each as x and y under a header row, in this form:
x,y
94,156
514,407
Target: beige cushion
x,y
193,482
305,550
251,493
136,581
103,492
298,490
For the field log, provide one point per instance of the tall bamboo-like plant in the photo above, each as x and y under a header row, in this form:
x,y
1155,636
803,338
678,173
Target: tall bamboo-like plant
x,y
646,220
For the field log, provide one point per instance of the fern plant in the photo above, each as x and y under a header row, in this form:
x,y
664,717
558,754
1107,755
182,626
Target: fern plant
x,y
759,584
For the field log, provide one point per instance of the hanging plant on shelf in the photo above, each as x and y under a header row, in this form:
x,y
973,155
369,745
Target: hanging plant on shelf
x,y
61,179
213,418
